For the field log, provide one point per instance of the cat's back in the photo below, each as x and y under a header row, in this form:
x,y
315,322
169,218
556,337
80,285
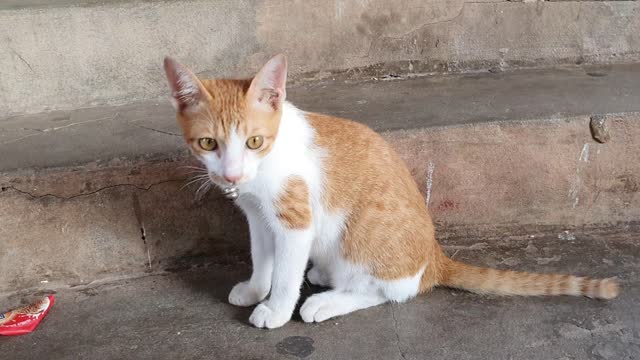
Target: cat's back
x,y
337,134
352,149
359,162
389,228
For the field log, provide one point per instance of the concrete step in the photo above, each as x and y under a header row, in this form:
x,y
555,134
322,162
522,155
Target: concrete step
x,y
66,54
185,315
494,153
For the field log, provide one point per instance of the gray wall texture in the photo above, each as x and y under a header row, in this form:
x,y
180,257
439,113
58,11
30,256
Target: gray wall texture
x,y
69,54
78,224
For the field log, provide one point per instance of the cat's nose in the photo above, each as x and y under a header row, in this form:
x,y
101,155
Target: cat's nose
x,y
232,179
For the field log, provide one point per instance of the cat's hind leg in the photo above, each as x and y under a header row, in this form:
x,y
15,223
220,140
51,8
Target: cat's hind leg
x,y
319,276
332,303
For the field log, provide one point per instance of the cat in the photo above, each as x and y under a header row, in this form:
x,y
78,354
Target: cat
x,y
330,191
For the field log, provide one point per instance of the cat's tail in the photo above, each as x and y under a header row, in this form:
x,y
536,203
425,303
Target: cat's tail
x,y
504,282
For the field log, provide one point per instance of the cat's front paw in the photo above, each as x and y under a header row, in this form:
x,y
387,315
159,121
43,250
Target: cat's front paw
x,y
265,317
244,294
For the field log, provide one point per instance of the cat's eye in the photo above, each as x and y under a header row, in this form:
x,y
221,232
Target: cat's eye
x,y
255,142
207,144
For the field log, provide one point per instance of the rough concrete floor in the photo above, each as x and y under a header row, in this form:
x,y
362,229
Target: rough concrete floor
x,y
184,315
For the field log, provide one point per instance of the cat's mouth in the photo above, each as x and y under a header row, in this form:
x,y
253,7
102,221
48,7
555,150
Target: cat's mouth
x,y
229,190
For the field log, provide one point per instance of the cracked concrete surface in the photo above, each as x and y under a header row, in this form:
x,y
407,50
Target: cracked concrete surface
x,y
86,215
67,194
185,314
395,325
91,205
93,192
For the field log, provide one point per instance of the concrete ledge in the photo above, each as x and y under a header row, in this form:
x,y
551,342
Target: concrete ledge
x,y
148,131
68,195
78,225
78,53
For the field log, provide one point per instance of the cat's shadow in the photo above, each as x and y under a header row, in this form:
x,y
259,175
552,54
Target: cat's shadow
x,y
218,282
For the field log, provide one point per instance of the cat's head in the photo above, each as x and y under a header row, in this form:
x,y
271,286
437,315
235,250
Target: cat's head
x,y
230,125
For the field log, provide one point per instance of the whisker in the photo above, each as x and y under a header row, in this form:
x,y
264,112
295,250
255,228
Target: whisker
x,y
191,182
200,176
187,185
191,167
204,183
196,172
202,190
196,179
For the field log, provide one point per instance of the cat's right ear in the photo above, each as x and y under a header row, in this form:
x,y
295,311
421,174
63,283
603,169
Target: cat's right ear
x,y
186,90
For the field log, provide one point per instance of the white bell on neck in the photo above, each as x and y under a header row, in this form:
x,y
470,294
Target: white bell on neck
x,y
230,193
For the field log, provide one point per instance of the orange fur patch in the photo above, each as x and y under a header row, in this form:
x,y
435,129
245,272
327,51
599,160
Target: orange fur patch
x,y
294,208
506,282
227,108
389,228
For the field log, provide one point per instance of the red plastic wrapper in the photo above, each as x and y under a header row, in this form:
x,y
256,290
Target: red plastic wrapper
x,y
25,319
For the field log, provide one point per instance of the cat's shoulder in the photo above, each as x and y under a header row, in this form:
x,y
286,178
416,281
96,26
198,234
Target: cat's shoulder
x,y
327,125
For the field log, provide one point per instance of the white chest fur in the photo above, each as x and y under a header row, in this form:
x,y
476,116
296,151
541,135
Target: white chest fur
x,y
293,154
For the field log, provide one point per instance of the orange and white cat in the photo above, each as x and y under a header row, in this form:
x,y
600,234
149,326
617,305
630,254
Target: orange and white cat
x,y
319,188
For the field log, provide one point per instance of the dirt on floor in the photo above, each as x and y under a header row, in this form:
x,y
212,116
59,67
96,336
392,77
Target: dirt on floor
x,y
185,315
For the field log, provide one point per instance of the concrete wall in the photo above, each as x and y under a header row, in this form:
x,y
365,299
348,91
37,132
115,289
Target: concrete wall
x,y
75,225
66,54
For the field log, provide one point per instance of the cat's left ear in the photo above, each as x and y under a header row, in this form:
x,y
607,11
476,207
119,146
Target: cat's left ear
x,y
268,88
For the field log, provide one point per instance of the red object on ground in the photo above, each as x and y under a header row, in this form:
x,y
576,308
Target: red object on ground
x,y
25,319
